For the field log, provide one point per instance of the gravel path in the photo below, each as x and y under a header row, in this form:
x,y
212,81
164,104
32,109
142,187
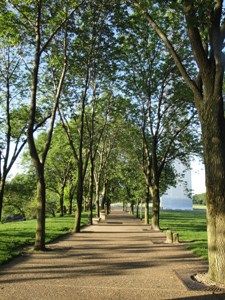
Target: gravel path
x,y
118,259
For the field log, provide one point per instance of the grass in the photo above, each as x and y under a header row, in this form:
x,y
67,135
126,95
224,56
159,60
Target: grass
x,y
191,226
15,235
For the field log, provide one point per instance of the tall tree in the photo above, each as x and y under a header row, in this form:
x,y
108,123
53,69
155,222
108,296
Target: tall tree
x,y
89,79
13,106
33,17
152,81
204,23
13,117
60,165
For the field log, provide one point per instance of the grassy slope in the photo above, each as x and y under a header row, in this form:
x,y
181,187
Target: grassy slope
x,y
191,226
14,235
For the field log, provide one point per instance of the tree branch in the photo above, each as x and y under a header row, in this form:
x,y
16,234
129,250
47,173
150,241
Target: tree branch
x,y
58,28
194,36
171,49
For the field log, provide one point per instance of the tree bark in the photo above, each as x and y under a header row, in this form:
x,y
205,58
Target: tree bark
x,y
72,189
2,188
137,208
79,198
61,198
91,191
147,196
97,198
155,186
132,207
104,195
155,206
41,203
213,129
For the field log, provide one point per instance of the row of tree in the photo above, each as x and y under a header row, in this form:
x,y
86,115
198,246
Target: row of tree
x,y
107,71
114,83
203,22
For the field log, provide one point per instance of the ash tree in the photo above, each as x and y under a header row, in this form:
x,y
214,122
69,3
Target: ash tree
x,y
13,106
167,117
90,76
204,24
61,170
41,25
13,115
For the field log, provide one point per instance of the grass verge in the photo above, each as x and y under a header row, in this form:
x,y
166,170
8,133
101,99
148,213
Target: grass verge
x,y
15,235
191,226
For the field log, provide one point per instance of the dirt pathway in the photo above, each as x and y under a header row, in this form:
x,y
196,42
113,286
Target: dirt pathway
x,y
119,259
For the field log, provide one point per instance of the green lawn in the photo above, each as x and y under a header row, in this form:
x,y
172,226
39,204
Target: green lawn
x,y
191,226
15,235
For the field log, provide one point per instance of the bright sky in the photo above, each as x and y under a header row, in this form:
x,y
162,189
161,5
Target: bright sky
x,y
198,177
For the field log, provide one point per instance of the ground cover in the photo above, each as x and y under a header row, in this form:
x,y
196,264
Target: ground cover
x,y
15,235
191,226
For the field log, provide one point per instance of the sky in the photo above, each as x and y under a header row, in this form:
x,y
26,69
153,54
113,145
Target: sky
x,y
198,177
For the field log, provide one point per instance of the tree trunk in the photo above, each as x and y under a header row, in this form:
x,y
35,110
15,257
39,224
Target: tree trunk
x,y
70,206
72,189
70,202
79,198
137,208
213,129
147,196
91,190
104,195
61,199
61,205
155,186
155,206
97,198
41,203
2,188
132,207
108,205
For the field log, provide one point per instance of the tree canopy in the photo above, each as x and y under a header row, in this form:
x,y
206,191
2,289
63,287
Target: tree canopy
x,y
105,96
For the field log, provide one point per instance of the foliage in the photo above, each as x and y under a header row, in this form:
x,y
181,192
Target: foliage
x,y
199,199
204,24
19,196
164,105
119,82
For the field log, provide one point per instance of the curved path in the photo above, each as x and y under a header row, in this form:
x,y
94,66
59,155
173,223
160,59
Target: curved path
x,y
118,259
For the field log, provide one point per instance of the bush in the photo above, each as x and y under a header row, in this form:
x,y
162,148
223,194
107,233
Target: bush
x,y
199,199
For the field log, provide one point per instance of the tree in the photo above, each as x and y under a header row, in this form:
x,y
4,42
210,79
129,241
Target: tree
x,y
13,117
199,199
89,79
60,166
32,17
19,195
204,23
152,82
